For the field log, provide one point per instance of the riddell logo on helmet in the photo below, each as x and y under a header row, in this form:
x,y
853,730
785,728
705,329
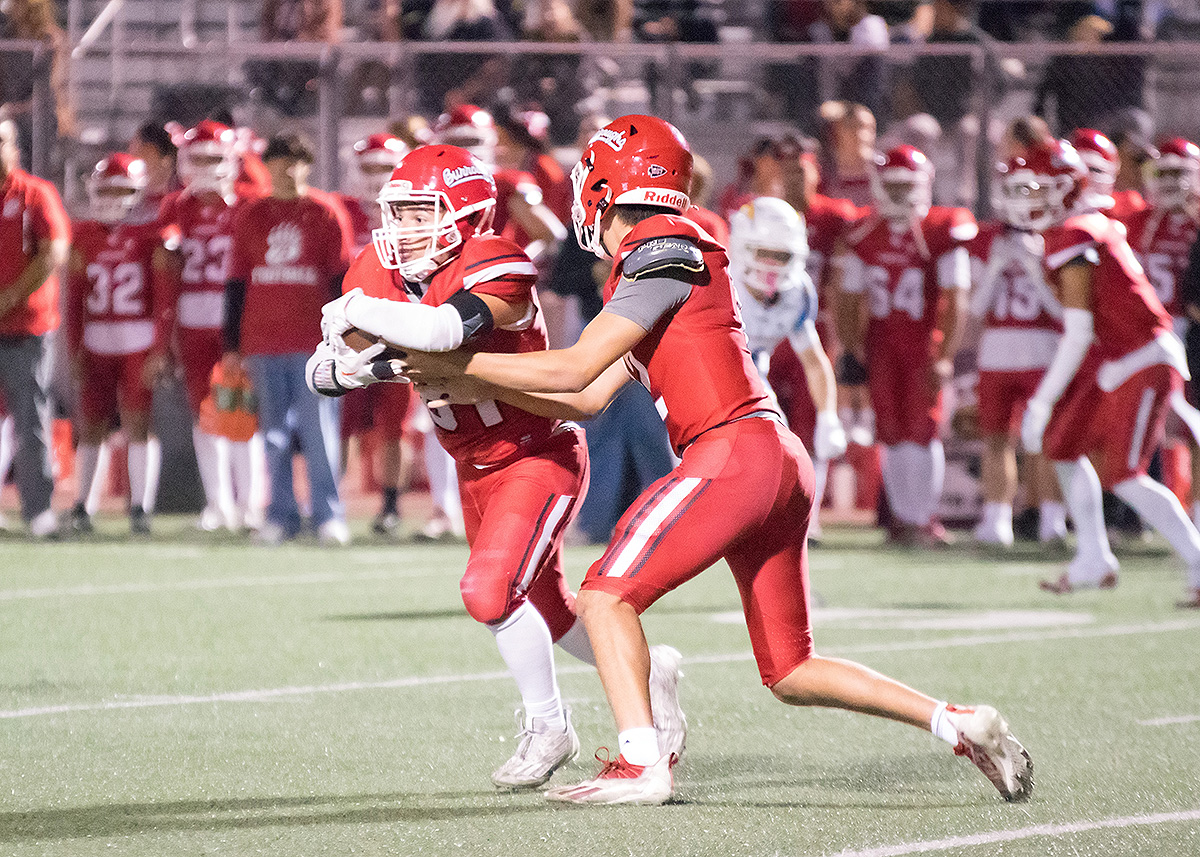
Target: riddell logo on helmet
x,y
670,198
461,174
614,139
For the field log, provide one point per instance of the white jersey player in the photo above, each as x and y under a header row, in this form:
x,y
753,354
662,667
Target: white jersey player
x,y
768,252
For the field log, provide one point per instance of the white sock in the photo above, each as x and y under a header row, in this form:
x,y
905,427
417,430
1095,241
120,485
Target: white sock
x,y
577,644
1161,509
153,471
940,725
997,521
525,645
241,473
137,473
99,475
639,746
212,458
443,480
1081,488
87,457
821,467
8,446
1052,521
933,474
894,483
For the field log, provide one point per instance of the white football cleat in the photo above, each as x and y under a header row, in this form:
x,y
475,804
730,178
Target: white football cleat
x,y
669,720
44,525
985,739
621,782
540,752
333,533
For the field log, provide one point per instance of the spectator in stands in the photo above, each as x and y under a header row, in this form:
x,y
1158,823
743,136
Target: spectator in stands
x,y
606,20
374,21
1132,133
289,254
34,20
34,239
290,86
154,147
676,21
557,83
448,80
861,79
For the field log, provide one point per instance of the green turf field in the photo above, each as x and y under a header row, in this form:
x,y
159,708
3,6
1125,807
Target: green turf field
x,y
188,696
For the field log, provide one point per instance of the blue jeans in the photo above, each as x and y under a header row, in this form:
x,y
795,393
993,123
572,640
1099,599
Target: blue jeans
x,y
287,408
628,448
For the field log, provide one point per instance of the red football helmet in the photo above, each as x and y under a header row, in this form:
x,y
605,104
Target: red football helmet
x,y
1173,179
635,160
208,159
1100,156
438,197
375,158
116,186
902,183
1044,186
471,128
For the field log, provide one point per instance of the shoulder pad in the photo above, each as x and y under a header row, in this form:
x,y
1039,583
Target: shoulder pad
x,y
660,255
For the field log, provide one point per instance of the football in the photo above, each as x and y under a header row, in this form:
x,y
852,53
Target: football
x,y
359,340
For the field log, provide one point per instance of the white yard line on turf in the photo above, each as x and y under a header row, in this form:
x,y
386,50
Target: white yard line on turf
x,y
1023,833
420,681
208,583
1171,721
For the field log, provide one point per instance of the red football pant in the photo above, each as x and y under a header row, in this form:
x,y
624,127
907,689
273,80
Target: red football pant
x,y
112,382
1119,430
200,349
1002,398
907,408
515,517
743,492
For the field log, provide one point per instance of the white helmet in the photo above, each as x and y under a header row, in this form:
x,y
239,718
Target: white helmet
x,y
375,157
208,158
768,248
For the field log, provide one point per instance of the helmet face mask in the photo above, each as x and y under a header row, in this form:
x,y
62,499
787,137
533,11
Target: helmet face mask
x,y
634,160
1100,157
116,187
1173,176
902,184
208,158
471,128
437,198
375,159
1043,187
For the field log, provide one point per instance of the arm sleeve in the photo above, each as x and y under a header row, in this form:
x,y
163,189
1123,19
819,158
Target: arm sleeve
x,y
1078,332
854,281
954,269
647,299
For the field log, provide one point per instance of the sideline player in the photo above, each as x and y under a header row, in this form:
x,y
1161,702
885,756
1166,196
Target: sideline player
x,y
1107,390
767,265
670,321
434,279
123,276
202,215
909,265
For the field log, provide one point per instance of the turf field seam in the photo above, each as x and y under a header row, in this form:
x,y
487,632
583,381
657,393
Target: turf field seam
x,y
266,694
995,836
1171,721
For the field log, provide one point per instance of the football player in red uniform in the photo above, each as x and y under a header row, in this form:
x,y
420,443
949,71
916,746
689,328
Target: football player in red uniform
x,y
1022,322
437,278
202,216
909,265
1100,156
1161,236
384,408
670,321
120,307
1106,391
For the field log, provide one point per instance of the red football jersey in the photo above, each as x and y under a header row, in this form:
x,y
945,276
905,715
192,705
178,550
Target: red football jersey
x,y
555,184
1161,240
116,304
1017,300
1125,204
488,433
710,222
903,272
1127,313
203,223
287,252
510,183
695,361
30,211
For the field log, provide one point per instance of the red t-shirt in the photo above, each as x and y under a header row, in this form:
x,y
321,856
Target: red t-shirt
x,y
30,211
116,303
288,253
488,433
900,275
694,360
1162,240
1127,313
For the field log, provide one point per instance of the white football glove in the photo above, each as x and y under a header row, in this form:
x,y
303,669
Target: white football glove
x,y
335,371
829,441
333,318
1033,425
